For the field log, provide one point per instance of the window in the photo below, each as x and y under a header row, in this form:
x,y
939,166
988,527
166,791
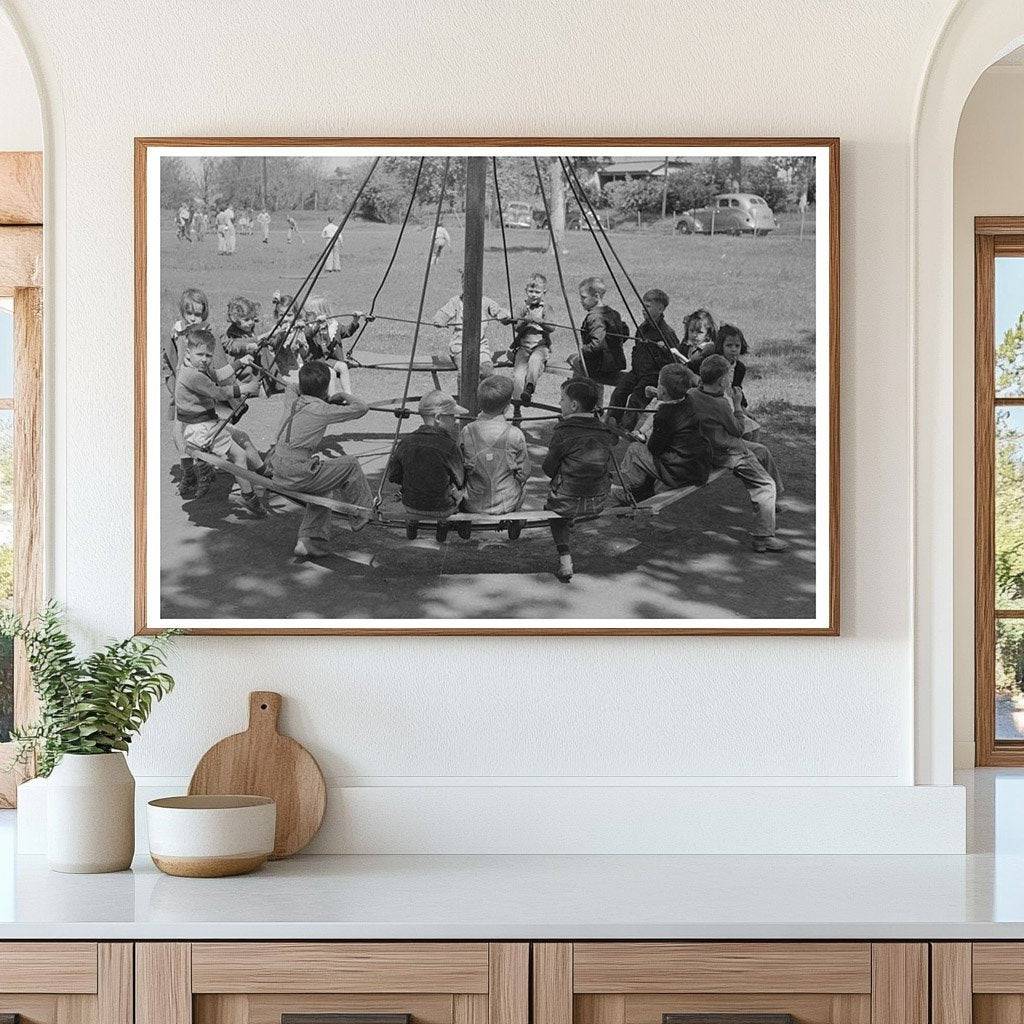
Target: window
x,y
999,491
21,376
6,510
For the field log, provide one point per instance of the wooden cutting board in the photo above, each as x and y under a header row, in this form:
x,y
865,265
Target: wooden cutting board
x,y
262,762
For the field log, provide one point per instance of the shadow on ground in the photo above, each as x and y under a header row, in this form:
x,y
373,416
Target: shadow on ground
x,y
693,561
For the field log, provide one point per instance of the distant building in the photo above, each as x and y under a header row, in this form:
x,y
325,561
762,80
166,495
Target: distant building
x,y
626,170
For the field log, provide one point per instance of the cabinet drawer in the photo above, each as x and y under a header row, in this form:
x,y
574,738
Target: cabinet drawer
x,y
721,967
48,967
340,967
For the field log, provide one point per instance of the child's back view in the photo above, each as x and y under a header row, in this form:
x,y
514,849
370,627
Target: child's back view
x,y
495,453
427,464
579,463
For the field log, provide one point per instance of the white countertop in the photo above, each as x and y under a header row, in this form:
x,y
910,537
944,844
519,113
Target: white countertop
x,y
978,896
532,897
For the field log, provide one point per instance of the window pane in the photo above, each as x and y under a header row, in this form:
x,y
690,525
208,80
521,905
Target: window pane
x,y
6,567
1009,321
1009,679
1009,487
6,349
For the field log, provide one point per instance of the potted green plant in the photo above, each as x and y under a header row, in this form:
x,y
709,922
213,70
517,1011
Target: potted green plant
x,y
89,710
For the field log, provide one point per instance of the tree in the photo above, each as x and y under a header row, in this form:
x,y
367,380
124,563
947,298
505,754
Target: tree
x,y
177,182
556,204
634,195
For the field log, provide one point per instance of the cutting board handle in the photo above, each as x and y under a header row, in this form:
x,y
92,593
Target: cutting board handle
x,y
264,710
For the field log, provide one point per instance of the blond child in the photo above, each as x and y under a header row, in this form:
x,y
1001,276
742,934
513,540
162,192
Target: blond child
x,y
203,396
494,452
194,308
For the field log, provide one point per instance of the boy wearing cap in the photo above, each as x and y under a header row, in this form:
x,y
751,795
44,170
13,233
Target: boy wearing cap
x,y
299,464
427,464
721,421
579,461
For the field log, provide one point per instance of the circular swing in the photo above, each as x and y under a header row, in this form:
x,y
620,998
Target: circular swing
x,y
463,523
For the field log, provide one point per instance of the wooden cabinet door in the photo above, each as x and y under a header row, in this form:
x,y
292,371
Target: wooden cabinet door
x,y
303,982
747,982
66,982
977,983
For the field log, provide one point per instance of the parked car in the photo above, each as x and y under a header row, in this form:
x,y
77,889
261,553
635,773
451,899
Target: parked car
x,y
732,213
573,219
518,215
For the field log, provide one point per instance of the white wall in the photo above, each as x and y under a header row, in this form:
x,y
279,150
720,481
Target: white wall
x,y
443,713
988,181
21,123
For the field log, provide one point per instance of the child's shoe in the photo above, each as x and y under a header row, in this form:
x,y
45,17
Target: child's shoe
x,y
311,549
564,570
204,478
765,544
189,481
528,389
254,505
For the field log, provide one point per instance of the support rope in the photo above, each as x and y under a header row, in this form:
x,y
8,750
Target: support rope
x,y
416,333
611,248
597,242
391,262
558,265
504,250
318,266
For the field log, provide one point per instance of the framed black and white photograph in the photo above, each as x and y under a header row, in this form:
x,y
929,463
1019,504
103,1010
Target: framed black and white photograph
x,y
441,386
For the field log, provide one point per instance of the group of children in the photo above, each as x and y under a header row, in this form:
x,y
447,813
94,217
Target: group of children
x,y
691,388
193,224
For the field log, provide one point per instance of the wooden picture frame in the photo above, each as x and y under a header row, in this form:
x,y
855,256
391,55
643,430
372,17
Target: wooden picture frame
x,y
993,237
21,273
826,619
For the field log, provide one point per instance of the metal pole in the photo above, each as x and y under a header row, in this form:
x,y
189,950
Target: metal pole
x,y
473,280
664,191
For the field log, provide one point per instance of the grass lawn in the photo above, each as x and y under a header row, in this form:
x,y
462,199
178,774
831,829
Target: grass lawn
x,y
694,561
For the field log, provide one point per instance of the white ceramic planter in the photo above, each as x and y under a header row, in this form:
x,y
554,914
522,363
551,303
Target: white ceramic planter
x,y
90,814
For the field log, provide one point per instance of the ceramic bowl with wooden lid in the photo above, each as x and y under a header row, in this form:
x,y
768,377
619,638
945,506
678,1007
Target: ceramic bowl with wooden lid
x,y
211,836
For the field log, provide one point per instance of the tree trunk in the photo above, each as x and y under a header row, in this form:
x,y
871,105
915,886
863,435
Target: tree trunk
x,y
556,200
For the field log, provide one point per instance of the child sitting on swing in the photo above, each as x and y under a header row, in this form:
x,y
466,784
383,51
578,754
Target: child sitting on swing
x,y
719,409
579,462
655,346
677,454
202,397
495,454
451,315
602,337
427,464
299,464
